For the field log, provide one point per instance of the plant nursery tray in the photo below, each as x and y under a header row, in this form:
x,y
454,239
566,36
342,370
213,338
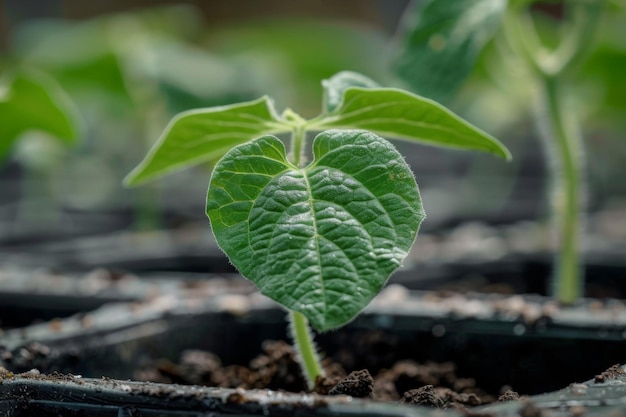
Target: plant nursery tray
x,y
68,395
528,343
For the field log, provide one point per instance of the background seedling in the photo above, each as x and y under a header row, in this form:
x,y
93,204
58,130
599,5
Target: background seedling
x,y
128,73
37,119
31,101
320,238
543,44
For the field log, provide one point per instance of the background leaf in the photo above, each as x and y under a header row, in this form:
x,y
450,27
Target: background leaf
x,y
443,42
335,86
321,240
207,134
395,113
290,62
32,101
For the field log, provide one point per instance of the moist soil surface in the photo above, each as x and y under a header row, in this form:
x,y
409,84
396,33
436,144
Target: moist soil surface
x,y
431,384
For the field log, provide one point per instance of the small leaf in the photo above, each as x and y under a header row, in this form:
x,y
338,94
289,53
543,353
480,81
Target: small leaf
x,y
32,101
321,240
443,44
335,86
396,113
202,135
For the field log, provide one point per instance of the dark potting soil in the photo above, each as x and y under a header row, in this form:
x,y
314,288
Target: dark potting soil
x,y
431,384
613,372
32,393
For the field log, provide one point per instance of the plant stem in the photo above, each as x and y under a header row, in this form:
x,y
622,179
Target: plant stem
x,y
307,354
565,152
298,135
297,144
560,131
299,325
564,143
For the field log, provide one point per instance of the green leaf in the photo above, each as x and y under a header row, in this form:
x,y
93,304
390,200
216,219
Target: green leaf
x,y
32,101
202,135
443,43
396,113
321,240
335,86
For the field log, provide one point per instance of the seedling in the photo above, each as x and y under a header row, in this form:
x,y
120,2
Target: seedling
x,y
320,238
558,126
31,101
443,44
33,104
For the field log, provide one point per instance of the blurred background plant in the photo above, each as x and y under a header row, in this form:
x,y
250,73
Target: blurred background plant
x,y
36,111
539,48
129,66
129,72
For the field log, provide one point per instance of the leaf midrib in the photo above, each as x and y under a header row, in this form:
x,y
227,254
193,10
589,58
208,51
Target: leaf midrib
x,y
316,236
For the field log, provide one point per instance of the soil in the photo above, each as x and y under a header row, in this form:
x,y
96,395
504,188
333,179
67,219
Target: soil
x,y
612,373
33,393
431,384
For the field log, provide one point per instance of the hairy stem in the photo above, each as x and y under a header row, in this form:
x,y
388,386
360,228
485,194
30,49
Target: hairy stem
x,y
299,325
560,132
305,347
565,152
297,145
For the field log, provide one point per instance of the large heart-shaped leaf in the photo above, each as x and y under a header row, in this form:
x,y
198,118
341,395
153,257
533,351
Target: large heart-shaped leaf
x,y
321,240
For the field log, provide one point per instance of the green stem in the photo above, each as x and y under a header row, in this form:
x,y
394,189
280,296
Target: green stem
x,y
150,110
297,144
298,135
560,132
565,146
307,354
299,326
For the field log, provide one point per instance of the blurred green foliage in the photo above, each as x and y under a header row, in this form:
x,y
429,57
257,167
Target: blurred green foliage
x,y
478,76
30,101
442,43
128,73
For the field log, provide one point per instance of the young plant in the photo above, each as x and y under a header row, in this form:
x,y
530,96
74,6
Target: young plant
x,y
442,45
559,128
320,238
31,102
